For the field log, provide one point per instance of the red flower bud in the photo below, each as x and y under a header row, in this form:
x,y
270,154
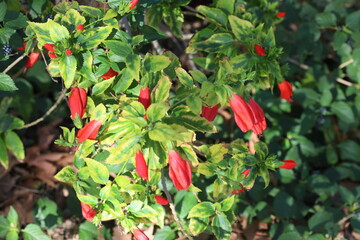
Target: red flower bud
x,y
281,14
33,57
49,47
179,171
144,97
109,74
133,3
161,200
244,117
52,55
68,52
77,102
89,131
139,235
260,121
259,50
88,212
288,164
285,90
22,48
141,167
80,27
246,172
238,191
209,113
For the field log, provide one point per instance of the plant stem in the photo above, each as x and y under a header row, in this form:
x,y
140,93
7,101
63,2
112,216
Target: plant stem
x,y
172,207
14,63
58,101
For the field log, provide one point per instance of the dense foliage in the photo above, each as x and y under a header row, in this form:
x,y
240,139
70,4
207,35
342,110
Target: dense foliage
x,y
177,143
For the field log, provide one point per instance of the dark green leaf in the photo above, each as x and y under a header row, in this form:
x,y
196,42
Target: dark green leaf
x,y
215,15
68,69
221,227
6,83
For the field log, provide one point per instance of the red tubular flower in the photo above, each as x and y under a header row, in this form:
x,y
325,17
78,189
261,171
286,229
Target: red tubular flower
x,y
144,97
288,164
179,171
141,167
238,191
23,47
259,50
281,14
89,131
260,121
88,212
139,235
33,57
109,74
49,47
52,55
246,172
80,27
161,200
244,117
68,52
285,90
209,113
133,3
77,102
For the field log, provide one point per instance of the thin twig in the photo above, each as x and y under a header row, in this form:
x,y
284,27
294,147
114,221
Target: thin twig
x,y
157,47
343,81
301,65
58,101
14,63
171,204
348,62
125,21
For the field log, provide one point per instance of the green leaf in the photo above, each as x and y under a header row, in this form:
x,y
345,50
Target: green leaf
x,y
320,219
119,48
226,5
157,111
164,132
99,172
12,235
72,19
100,87
349,150
42,31
6,83
264,173
216,153
343,111
124,150
184,78
241,28
66,175
124,82
215,15
155,63
198,76
88,231
203,209
88,199
91,11
15,20
161,90
194,103
174,18
284,205
216,42
198,225
227,203
68,69
4,226
326,19
3,8
133,65
4,160
5,34
91,38
34,232
13,217
261,150
221,227
191,122
57,31
166,233
14,144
